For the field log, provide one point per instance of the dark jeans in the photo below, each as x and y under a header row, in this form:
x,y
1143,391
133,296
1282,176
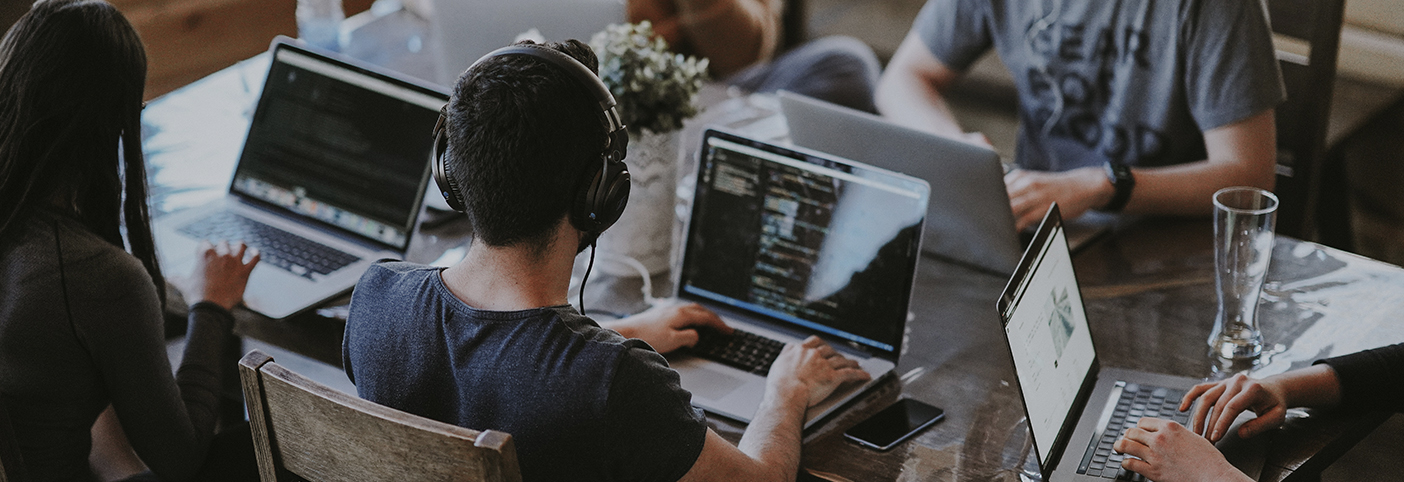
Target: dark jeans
x,y
231,459
842,70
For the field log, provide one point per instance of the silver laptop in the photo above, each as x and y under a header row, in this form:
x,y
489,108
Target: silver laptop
x,y
784,244
1077,409
331,178
970,218
468,29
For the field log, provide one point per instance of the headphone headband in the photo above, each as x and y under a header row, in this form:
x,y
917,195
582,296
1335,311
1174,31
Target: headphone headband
x,y
603,191
583,76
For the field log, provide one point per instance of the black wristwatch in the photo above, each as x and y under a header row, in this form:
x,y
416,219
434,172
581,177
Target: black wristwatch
x,y
1123,182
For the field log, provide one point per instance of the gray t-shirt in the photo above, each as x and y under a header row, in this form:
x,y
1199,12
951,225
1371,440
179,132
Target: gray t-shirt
x,y
581,402
1139,80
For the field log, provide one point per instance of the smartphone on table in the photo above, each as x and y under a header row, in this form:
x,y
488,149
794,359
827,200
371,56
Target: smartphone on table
x,y
894,424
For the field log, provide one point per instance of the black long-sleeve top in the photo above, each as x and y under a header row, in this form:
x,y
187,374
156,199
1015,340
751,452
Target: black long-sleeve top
x,y
1371,379
81,328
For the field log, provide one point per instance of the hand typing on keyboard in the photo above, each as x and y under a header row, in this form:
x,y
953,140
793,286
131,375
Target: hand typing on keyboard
x,y
221,273
668,327
808,372
1168,452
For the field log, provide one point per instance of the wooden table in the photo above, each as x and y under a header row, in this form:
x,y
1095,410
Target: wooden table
x,y
1148,289
1149,292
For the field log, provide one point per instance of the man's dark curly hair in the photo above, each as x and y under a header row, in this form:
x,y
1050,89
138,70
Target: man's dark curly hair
x,y
521,132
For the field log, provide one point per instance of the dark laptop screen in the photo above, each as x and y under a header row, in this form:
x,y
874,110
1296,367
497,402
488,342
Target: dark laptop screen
x,y
809,241
340,145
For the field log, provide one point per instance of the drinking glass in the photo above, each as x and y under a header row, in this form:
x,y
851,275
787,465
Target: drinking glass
x,y
1243,239
319,23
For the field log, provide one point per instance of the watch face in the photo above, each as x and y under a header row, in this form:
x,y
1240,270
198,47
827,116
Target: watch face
x,y
1122,181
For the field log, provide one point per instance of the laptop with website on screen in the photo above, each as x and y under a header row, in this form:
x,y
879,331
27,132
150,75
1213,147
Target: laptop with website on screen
x,y
1076,409
332,174
784,244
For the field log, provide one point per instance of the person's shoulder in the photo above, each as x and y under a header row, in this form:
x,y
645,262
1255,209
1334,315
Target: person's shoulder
x,y
90,263
387,273
586,328
639,363
388,283
395,267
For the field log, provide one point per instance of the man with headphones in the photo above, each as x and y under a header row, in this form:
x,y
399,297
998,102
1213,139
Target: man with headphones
x,y
531,149
1138,106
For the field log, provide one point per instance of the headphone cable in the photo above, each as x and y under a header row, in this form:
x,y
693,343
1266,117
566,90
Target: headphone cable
x,y
588,268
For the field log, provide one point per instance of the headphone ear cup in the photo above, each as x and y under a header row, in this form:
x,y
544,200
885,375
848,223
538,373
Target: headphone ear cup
x,y
602,198
615,195
442,177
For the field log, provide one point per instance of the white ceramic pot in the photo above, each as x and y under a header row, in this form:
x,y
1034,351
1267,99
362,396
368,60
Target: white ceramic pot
x,y
645,231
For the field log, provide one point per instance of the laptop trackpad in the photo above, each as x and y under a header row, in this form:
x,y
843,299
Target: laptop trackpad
x,y
708,383
1247,455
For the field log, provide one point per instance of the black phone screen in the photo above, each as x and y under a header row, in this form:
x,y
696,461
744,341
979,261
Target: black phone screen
x,y
894,424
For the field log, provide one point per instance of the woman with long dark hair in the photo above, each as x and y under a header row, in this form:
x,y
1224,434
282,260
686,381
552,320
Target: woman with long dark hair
x,y
81,293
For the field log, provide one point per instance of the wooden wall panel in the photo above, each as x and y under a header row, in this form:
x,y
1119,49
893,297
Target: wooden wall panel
x,y
189,39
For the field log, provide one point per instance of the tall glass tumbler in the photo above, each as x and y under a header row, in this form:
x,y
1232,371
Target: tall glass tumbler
x,y
1243,238
319,23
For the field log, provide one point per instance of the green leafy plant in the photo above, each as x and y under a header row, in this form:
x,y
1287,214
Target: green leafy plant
x,y
655,88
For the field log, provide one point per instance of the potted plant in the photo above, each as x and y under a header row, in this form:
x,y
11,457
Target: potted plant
x,y
656,91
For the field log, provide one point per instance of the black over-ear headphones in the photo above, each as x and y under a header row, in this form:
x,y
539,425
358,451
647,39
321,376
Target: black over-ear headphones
x,y
603,190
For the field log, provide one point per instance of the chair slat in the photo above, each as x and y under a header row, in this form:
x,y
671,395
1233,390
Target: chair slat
x,y
322,434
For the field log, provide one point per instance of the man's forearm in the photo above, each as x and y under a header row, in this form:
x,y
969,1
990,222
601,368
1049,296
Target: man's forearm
x,y
773,438
1188,189
1243,153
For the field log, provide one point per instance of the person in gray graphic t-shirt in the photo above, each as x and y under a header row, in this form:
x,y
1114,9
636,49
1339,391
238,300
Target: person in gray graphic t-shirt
x,y
1133,105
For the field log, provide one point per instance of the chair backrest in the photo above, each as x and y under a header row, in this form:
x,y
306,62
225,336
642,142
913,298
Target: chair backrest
x,y
303,429
11,465
1302,119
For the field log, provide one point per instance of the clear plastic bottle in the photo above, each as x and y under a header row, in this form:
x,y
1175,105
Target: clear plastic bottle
x,y
319,23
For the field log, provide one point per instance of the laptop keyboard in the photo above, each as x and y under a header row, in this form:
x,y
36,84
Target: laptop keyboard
x,y
292,253
742,349
1136,401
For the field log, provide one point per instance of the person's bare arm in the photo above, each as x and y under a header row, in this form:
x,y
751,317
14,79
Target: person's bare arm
x,y
111,456
668,327
1170,452
1242,153
1166,452
1220,402
802,376
732,33
911,92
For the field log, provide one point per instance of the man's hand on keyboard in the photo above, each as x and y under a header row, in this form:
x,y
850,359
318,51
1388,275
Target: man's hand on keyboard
x,y
811,370
668,327
220,274
1168,452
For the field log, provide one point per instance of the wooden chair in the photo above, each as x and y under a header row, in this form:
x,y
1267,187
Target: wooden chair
x,y
1310,186
11,465
305,430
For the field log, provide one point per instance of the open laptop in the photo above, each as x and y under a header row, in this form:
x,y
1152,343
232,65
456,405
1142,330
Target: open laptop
x,y
468,29
969,218
1076,408
331,178
784,244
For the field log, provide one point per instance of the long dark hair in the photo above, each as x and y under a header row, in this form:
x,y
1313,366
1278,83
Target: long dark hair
x,y
72,74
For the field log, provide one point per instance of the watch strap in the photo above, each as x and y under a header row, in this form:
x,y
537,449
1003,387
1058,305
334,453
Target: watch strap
x,y
1122,182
